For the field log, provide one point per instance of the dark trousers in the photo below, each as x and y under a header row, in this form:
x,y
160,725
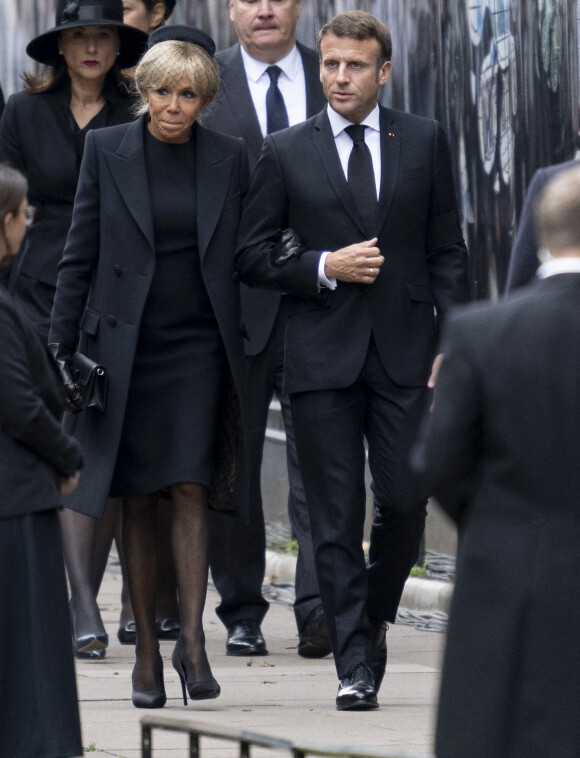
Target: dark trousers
x,y
330,428
237,551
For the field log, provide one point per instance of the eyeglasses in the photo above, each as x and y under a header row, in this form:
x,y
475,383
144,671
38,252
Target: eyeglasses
x,y
29,215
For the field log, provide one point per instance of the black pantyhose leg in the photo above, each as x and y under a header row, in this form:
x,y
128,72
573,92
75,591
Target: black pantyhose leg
x,y
86,545
166,601
190,552
140,551
166,605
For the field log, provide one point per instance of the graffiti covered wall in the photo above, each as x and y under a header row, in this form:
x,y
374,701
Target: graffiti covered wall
x,y
501,76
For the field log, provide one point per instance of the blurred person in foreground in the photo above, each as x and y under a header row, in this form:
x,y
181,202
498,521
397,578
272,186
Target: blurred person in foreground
x,y
501,454
42,134
38,463
146,284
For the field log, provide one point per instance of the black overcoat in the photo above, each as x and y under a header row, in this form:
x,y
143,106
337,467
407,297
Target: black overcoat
x,y
108,265
34,449
36,138
502,455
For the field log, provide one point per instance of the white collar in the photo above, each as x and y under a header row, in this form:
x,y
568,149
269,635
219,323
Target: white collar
x,y
291,64
551,267
338,123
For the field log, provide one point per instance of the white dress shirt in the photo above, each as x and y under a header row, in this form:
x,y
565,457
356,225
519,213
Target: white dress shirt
x,y
291,84
566,265
344,145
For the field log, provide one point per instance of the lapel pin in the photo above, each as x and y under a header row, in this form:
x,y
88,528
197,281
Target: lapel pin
x,y
391,134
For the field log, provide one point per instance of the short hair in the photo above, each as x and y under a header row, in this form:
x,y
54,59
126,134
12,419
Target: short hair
x,y
359,25
558,211
166,62
13,190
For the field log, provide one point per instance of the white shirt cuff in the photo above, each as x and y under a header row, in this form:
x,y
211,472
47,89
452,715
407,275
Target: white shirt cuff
x,y
323,280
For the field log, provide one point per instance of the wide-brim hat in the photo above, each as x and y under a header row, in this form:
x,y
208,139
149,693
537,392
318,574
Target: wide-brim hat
x,y
74,13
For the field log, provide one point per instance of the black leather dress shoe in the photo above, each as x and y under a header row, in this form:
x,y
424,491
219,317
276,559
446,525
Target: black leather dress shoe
x,y
356,691
245,638
127,634
168,629
314,640
378,652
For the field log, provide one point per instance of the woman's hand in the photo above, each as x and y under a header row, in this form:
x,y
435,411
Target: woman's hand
x,y
69,485
63,358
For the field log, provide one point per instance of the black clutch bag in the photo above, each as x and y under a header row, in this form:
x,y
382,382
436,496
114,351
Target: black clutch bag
x,y
91,380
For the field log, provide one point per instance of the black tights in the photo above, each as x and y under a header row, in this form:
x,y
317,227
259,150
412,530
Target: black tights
x,y
190,552
87,542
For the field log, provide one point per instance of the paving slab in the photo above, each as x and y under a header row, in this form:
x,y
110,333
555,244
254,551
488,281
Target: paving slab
x,y
280,695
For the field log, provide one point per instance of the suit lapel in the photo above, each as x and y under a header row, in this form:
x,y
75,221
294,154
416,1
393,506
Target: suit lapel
x,y
326,147
235,86
390,154
127,166
212,180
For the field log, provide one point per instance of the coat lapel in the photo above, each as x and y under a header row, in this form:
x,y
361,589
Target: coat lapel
x,y
212,180
127,166
326,147
390,153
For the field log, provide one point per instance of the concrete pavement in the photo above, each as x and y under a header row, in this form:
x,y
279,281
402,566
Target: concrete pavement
x,y
281,695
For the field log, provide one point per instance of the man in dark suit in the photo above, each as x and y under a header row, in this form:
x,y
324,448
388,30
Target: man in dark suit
x,y
501,453
267,33
365,278
524,256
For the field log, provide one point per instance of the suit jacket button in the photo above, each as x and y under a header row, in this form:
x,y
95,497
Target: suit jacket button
x,y
538,520
111,321
118,270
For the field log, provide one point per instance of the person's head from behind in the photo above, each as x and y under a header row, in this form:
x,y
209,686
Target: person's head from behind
x,y
266,29
558,214
355,50
147,15
15,215
176,80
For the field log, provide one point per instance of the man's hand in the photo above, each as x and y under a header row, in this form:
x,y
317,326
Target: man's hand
x,y
69,485
356,263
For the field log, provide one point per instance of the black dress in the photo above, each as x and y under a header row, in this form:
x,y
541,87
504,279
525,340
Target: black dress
x,y
170,418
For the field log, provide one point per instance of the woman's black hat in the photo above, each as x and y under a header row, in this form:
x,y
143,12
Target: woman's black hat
x,y
182,33
74,13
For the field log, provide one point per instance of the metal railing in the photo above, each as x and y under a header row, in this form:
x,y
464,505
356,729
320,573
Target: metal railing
x,y
246,741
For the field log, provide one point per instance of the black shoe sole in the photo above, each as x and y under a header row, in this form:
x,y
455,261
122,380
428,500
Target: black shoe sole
x,y
358,705
247,652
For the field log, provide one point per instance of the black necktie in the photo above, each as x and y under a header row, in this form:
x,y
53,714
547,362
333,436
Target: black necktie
x,y
276,114
361,176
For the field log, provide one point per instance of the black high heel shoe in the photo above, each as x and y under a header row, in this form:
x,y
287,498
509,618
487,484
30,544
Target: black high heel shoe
x,y
88,645
151,698
202,689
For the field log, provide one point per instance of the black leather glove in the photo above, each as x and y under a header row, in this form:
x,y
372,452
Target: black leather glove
x,y
62,356
287,246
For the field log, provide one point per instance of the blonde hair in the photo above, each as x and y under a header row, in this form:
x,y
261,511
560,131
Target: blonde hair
x,y
558,212
167,62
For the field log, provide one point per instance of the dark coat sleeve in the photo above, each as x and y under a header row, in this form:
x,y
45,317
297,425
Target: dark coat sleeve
x,y
81,253
446,456
523,260
24,414
445,247
265,213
